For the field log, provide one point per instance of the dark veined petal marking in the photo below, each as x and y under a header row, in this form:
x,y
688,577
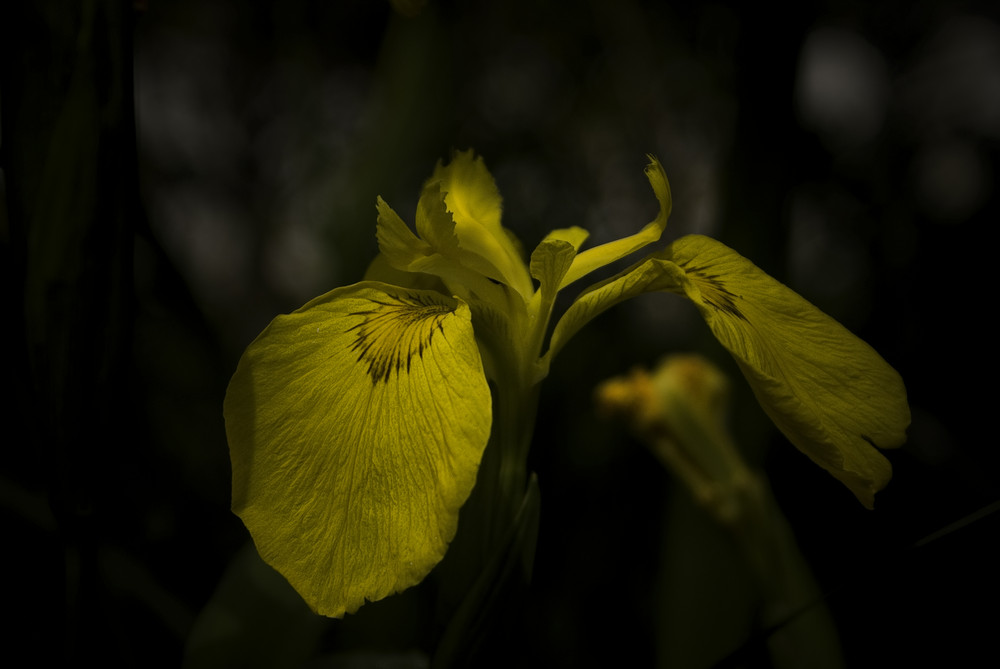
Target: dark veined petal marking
x,y
391,333
714,291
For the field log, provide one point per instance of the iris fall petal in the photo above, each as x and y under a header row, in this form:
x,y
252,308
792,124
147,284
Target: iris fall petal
x,y
356,426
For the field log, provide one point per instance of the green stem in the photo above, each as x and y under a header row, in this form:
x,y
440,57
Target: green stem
x,y
513,426
497,531
489,562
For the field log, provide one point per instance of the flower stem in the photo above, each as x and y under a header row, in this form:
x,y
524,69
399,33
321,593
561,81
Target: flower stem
x,y
488,565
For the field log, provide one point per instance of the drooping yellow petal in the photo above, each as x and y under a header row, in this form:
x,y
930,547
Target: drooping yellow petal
x,y
599,256
474,206
829,392
356,426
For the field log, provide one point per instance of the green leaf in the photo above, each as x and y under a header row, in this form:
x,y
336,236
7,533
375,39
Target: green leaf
x,y
356,426
254,620
497,595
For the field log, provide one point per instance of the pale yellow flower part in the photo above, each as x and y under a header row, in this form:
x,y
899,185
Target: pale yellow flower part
x,y
828,391
356,426
553,257
599,256
405,252
473,236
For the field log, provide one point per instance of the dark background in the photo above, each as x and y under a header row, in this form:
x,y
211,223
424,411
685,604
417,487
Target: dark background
x,y
849,149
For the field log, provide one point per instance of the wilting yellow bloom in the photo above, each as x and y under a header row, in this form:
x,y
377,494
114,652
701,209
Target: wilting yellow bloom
x,y
357,423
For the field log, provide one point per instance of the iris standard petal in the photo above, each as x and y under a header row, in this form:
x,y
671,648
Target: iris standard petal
x,y
475,207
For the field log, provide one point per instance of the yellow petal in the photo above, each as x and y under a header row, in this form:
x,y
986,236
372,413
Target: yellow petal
x,y
602,255
829,392
406,252
474,204
648,275
396,241
356,426
380,269
553,257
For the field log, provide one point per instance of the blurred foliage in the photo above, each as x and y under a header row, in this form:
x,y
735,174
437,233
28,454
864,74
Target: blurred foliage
x,y
850,149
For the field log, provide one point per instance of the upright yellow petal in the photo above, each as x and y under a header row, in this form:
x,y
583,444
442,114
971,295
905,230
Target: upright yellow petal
x,y
554,256
829,392
356,426
474,204
404,251
599,256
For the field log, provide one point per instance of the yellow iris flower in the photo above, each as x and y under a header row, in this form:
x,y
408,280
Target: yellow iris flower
x,y
357,423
